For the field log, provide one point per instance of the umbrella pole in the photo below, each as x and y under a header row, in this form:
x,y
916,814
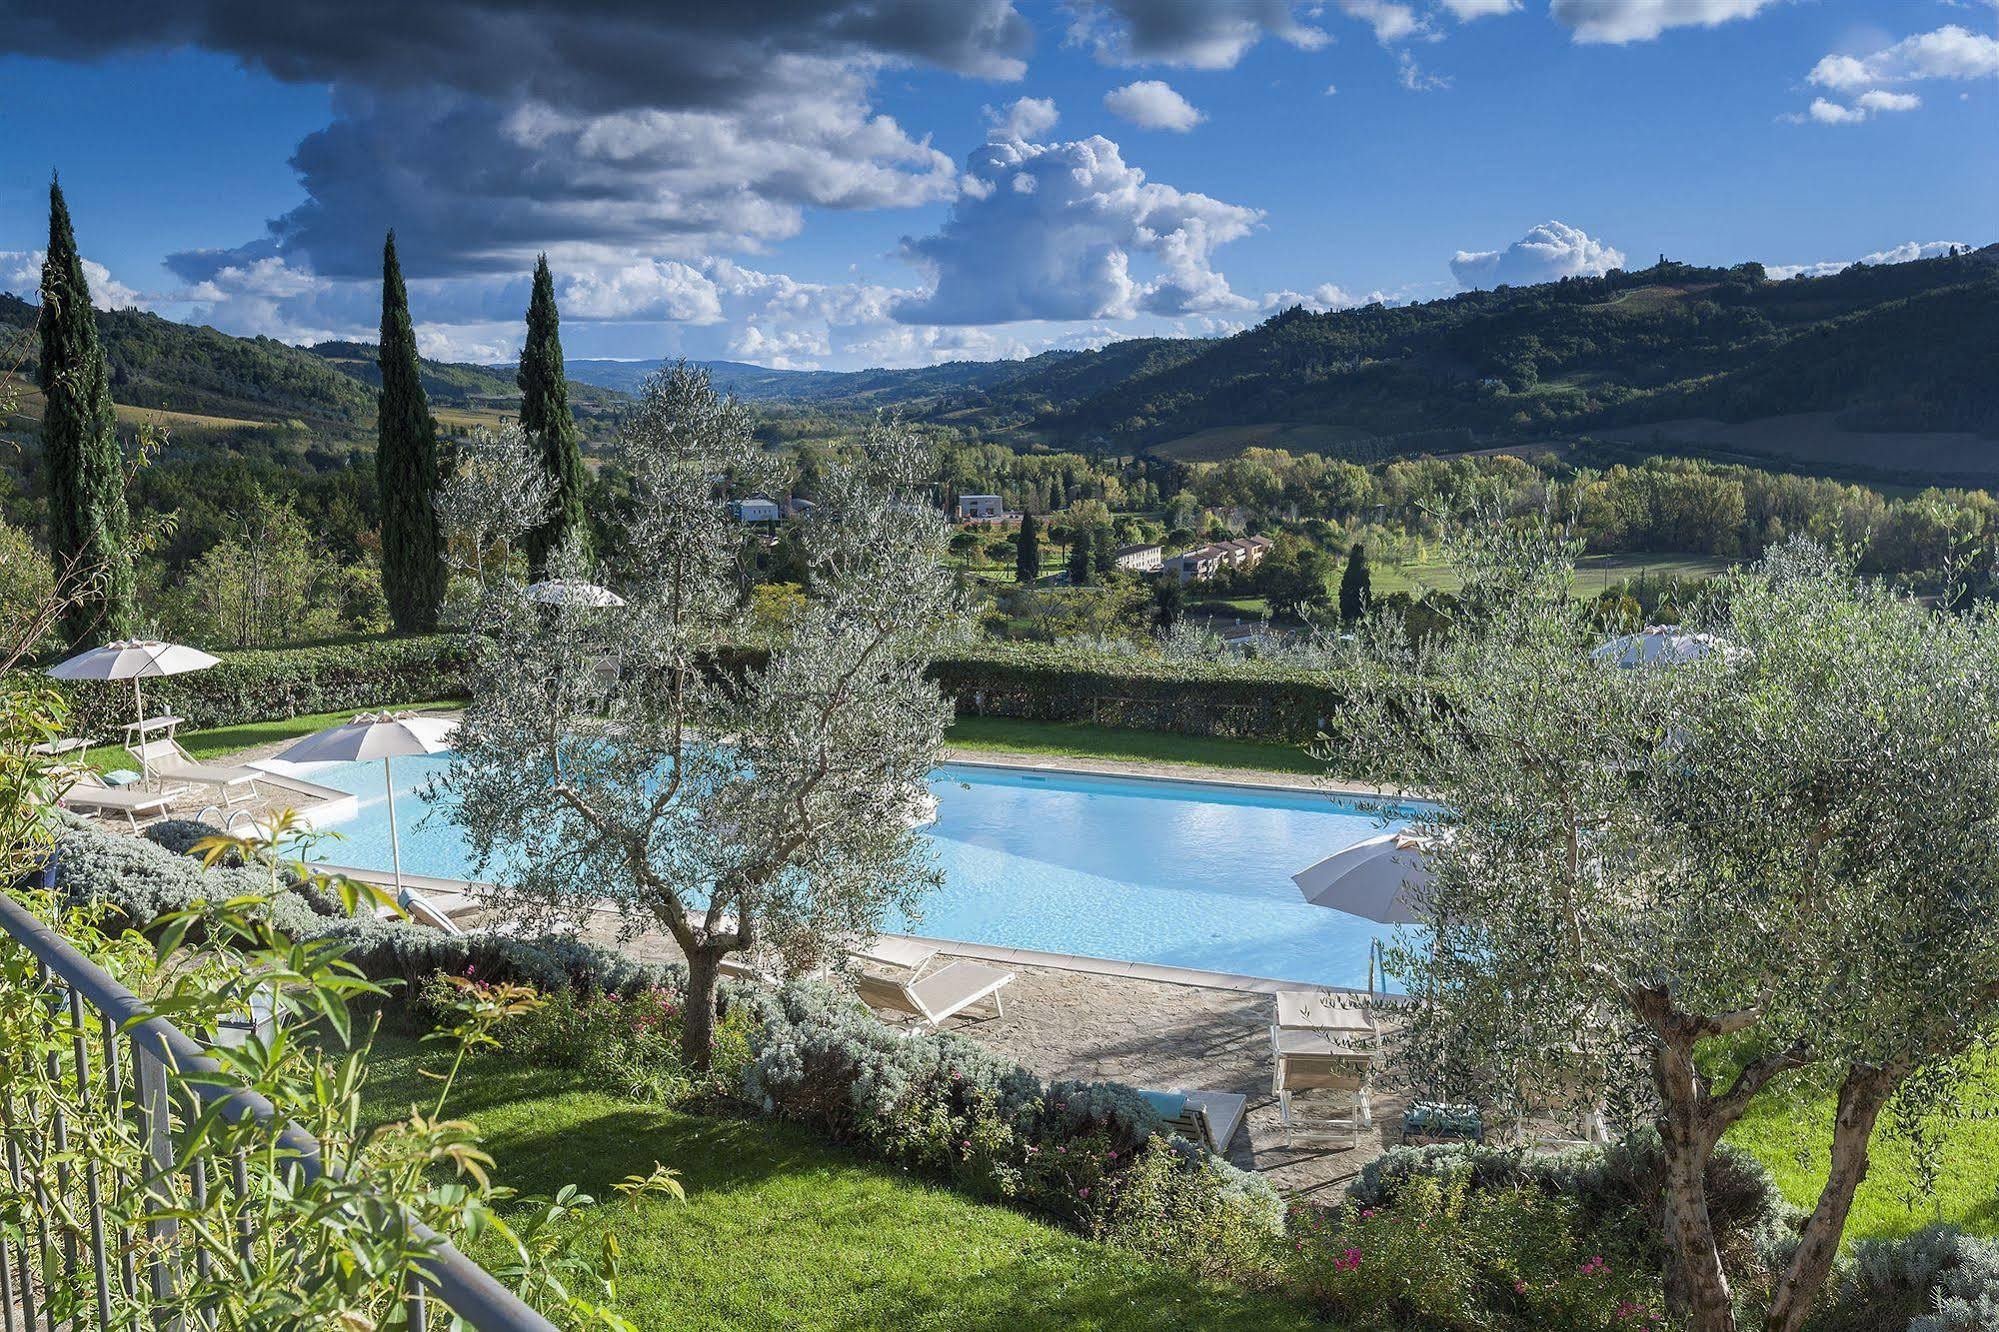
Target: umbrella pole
x,y
139,704
395,845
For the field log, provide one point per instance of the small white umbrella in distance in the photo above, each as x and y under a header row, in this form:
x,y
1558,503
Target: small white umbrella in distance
x,y
1658,645
572,592
134,659
378,735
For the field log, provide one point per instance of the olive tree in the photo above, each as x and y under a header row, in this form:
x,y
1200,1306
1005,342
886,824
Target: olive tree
x,y
497,493
1679,889
740,789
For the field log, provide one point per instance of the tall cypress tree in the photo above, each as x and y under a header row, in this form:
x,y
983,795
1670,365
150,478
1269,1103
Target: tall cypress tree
x,y
413,574
1027,550
89,525
1356,587
546,419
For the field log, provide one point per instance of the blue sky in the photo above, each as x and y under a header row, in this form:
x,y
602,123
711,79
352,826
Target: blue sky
x,y
851,182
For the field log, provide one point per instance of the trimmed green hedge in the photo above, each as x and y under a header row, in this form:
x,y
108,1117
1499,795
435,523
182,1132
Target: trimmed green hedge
x,y
1247,700
265,684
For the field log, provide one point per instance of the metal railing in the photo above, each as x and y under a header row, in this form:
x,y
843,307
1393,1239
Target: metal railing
x,y
140,1067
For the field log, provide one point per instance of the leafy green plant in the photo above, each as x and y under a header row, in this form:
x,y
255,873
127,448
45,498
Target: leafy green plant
x,y
264,1234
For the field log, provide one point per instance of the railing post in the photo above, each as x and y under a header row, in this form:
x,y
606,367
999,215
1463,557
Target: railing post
x,y
158,1140
93,1190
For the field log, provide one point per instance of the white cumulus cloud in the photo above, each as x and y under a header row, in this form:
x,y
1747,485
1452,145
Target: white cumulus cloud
x,y
1154,105
1951,52
1093,239
1025,118
1326,296
21,274
1895,254
1619,21
1547,252
1390,20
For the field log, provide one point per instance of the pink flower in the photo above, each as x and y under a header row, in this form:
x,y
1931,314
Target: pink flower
x,y
1519,1287
1083,1192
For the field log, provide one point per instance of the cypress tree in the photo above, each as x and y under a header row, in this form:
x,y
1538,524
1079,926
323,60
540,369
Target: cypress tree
x,y
1355,585
1103,552
1081,568
413,574
546,418
1027,550
89,524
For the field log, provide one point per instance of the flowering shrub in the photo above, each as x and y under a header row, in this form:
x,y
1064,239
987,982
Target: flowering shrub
x,y
1447,1255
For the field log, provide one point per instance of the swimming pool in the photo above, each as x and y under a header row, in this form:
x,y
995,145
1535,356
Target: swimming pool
x,y
1177,873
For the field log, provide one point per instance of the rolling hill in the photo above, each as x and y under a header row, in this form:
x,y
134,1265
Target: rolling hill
x,y
261,397
1706,359
1883,372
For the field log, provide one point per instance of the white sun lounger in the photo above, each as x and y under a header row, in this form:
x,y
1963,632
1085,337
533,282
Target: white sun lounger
x,y
910,956
426,912
1207,1117
937,997
1307,1061
166,760
89,793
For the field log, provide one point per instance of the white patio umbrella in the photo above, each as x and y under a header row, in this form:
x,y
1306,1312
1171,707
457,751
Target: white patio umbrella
x,y
1381,879
134,659
572,592
1658,645
377,735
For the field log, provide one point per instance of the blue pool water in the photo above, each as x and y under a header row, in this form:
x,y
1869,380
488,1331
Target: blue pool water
x,y
1178,873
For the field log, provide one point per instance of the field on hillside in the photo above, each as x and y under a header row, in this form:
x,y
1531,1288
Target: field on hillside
x,y
30,415
1594,573
1813,441
1223,442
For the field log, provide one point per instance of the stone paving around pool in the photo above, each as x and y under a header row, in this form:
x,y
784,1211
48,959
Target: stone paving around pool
x,y
1062,1023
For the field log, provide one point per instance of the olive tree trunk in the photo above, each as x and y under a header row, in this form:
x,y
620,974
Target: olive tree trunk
x,y
697,1032
1862,1097
1696,1285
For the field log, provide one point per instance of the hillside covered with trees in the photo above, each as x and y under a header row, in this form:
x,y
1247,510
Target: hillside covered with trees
x,y
1908,347
266,400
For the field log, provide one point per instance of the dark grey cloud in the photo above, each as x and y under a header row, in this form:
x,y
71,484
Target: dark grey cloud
x,y
597,55
1204,34
486,130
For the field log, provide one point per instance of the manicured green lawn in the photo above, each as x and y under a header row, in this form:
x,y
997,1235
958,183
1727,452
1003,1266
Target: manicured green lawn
x,y
1080,740
1594,573
1793,1135
221,740
780,1230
